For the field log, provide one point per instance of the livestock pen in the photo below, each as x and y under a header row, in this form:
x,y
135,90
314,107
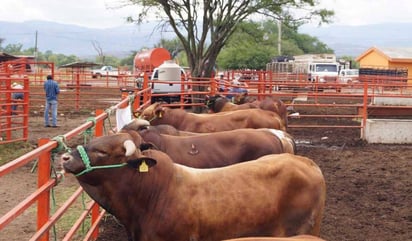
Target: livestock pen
x,y
303,102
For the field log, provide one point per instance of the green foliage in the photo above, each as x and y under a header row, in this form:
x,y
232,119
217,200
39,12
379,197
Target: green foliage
x,y
13,48
254,44
250,47
352,61
128,61
109,60
204,27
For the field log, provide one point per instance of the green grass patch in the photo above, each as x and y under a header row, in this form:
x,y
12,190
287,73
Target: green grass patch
x,y
11,151
61,194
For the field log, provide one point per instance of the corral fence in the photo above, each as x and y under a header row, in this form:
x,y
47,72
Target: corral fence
x,y
48,179
303,99
344,105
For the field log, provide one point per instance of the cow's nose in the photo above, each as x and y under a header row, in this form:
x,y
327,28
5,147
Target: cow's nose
x,y
65,157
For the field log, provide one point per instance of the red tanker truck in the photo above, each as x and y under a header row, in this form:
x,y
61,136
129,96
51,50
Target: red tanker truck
x,y
157,65
146,61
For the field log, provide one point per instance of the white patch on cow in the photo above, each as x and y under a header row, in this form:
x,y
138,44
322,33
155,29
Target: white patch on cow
x,y
280,134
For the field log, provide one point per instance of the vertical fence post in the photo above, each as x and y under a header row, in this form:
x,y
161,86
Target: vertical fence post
x,y
145,86
95,209
43,203
214,85
182,90
136,103
26,108
8,108
365,108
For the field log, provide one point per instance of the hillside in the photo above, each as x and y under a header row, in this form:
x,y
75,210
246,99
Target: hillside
x,y
77,40
353,40
120,41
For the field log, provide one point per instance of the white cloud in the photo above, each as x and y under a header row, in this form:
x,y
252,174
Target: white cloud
x,y
89,13
105,13
362,12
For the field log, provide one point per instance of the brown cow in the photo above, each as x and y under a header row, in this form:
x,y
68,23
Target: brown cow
x,y
141,124
220,103
206,150
201,123
269,103
157,199
294,238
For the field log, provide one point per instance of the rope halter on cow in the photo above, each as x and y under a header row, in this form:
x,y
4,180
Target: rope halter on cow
x,y
86,162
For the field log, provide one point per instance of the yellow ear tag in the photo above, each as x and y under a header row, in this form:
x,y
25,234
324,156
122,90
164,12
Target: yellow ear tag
x,y
143,167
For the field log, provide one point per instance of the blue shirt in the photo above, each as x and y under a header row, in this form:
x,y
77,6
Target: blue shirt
x,y
52,89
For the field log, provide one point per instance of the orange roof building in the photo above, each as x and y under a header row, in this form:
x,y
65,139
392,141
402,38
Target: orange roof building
x,y
390,58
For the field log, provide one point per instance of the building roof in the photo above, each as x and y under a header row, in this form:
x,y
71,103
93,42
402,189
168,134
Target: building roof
x,y
6,57
391,54
80,65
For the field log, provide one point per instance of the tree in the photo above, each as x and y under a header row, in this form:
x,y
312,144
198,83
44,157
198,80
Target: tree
x,y
204,27
254,44
100,55
13,48
250,46
1,42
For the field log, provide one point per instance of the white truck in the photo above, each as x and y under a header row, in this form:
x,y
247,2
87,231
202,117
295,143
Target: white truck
x,y
320,68
108,71
167,79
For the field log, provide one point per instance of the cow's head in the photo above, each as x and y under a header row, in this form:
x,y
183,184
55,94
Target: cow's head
x,y
240,98
105,152
136,125
210,101
154,111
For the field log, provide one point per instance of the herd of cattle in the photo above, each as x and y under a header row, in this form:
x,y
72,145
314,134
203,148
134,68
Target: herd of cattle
x,y
172,175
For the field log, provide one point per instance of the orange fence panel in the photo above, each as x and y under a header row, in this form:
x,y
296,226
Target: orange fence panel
x,y
43,155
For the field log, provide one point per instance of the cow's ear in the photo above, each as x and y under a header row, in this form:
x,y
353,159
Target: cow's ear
x,y
142,164
159,112
137,113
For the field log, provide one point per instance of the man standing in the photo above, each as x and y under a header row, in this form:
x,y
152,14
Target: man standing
x,y
52,91
16,95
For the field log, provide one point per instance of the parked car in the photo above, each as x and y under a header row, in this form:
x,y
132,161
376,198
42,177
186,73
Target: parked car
x,y
347,76
108,71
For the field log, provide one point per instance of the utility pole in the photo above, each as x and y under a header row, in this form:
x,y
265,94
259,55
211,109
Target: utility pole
x,y
279,37
35,47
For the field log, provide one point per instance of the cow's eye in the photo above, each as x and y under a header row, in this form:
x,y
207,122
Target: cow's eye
x,y
101,153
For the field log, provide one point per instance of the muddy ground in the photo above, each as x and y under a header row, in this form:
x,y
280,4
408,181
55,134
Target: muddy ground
x,y
369,187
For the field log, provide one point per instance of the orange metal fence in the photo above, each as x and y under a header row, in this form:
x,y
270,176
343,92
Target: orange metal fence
x,y
82,93
303,99
14,109
44,156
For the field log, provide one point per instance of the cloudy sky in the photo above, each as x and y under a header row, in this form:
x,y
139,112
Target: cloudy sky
x,y
106,13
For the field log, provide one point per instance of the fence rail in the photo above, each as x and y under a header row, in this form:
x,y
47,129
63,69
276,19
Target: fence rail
x,y
349,102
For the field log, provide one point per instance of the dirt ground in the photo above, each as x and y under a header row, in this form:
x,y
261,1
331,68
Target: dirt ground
x,y
369,186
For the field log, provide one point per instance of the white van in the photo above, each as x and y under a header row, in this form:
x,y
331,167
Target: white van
x,y
347,76
171,73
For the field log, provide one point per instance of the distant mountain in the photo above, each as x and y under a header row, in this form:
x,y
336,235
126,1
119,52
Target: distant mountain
x,y
354,40
77,40
120,41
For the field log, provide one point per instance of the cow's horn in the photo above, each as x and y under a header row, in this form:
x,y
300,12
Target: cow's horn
x,y
130,147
